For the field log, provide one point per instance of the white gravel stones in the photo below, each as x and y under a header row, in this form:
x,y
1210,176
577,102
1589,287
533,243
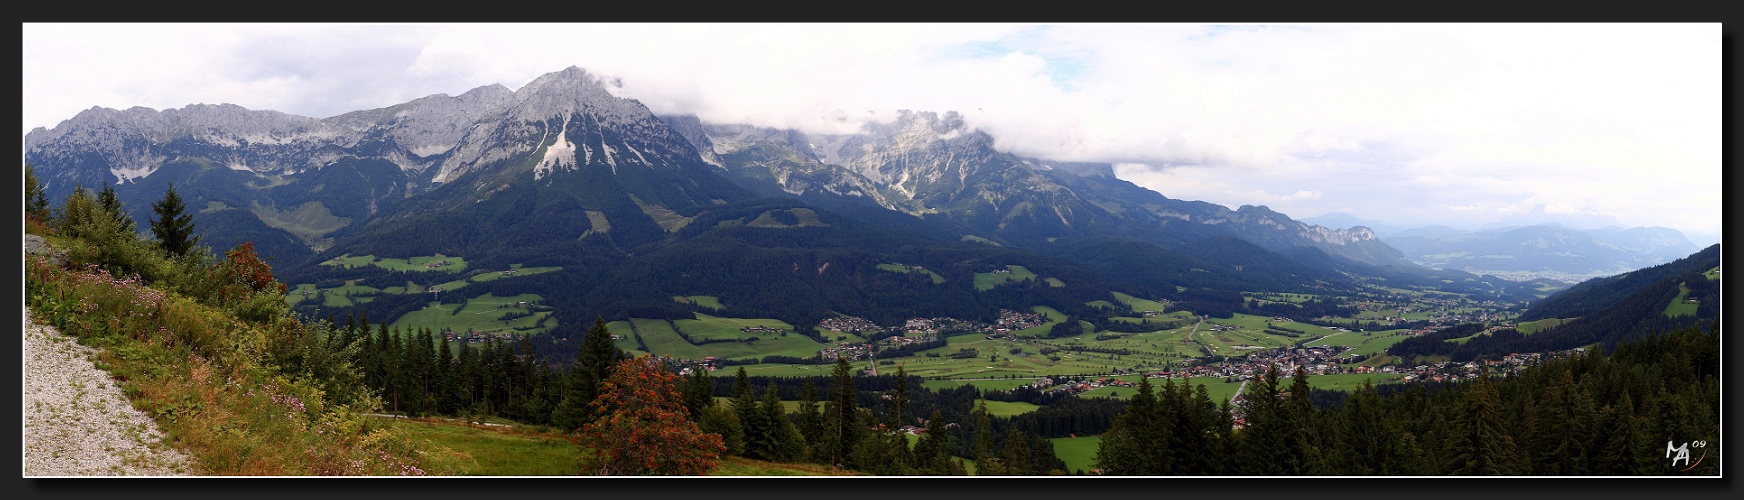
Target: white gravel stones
x,y
78,422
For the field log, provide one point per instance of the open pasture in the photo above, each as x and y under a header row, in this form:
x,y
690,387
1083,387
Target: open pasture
x,y
907,269
488,276
1138,304
986,281
480,314
1531,327
662,339
706,327
1079,453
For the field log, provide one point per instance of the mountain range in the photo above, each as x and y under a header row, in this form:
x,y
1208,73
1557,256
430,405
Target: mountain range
x,y
1543,247
563,172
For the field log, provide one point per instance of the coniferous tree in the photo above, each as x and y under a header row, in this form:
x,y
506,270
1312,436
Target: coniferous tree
x,y
35,197
811,422
112,206
1304,456
699,391
759,438
1479,446
173,228
842,427
1264,447
786,443
1137,440
593,363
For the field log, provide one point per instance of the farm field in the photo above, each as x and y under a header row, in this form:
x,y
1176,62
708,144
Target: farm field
x,y
1138,304
488,276
1007,408
1531,327
899,267
1345,381
447,264
986,281
662,338
1219,391
705,301
1377,344
1678,307
481,315
1079,453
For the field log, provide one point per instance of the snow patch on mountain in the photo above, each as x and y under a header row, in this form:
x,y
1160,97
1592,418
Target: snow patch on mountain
x,y
560,154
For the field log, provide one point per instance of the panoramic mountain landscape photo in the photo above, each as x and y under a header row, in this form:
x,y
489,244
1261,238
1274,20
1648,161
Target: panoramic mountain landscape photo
x,y
860,250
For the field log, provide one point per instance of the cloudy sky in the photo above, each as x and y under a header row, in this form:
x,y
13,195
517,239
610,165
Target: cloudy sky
x,y
1410,124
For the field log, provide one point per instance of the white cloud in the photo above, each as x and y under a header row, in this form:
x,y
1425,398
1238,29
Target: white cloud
x,y
1386,120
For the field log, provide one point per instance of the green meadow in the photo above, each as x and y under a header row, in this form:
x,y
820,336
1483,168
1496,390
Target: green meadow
x,y
481,314
1079,453
986,281
906,269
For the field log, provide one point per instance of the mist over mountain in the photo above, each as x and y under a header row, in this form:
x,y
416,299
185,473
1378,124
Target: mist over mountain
x,y
562,173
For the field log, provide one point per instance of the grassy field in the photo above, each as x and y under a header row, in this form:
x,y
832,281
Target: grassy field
x,y
906,269
1678,307
705,301
706,327
986,281
1138,304
1216,388
453,264
1531,327
1008,408
662,339
480,314
509,452
1079,453
1346,381
488,276
490,451
1376,344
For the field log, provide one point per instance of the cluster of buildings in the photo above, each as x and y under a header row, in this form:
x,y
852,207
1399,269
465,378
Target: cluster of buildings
x,y
1010,320
849,324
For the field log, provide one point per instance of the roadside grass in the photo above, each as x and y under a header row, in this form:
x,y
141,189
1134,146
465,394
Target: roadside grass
x,y
220,387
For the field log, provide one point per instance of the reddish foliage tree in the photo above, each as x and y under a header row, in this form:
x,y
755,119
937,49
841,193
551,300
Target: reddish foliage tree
x,y
642,428
246,273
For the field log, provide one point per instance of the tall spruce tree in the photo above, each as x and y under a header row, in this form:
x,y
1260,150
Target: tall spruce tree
x,y
112,206
35,197
593,364
173,227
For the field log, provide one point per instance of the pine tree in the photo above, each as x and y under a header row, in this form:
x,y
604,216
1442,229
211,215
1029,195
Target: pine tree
x,y
699,391
1478,445
173,228
786,444
759,438
112,206
593,364
1137,441
35,197
842,418
811,422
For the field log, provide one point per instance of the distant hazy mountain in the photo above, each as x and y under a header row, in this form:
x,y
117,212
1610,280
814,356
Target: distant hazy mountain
x,y
1552,249
1338,220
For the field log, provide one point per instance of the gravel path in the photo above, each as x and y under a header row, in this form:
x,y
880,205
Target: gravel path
x,y
77,422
